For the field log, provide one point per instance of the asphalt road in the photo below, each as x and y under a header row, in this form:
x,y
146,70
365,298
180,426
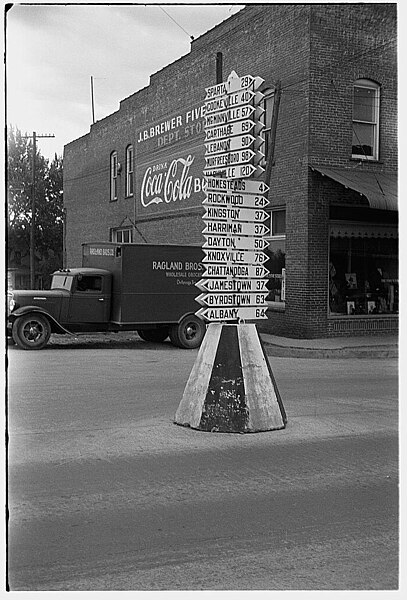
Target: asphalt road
x,y
107,493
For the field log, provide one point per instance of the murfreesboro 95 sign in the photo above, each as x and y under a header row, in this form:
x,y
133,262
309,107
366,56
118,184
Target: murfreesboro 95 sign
x,y
234,284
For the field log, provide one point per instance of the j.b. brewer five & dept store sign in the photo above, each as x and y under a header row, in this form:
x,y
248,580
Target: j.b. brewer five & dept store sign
x,y
170,163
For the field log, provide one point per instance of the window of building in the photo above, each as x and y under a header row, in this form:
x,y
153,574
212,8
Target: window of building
x,y
113,176
276,261
268,107
366,101
122,235
129,171
363,270
277,222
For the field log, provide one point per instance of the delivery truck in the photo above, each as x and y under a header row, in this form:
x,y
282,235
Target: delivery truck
x,y
119,287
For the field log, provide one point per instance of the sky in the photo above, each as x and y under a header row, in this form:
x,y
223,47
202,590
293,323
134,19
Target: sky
x,y
53,50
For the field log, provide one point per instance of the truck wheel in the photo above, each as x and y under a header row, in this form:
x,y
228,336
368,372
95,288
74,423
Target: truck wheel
x,y
189,333
31,332
154,335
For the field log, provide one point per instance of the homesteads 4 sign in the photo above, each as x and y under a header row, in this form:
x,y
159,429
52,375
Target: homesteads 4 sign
x,y
231,387
234,216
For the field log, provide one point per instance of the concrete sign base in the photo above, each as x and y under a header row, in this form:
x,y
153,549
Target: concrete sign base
x,y
231,387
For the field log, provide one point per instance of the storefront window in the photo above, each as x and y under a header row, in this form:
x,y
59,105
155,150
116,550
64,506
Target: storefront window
x,y
276,267
276,262
363,271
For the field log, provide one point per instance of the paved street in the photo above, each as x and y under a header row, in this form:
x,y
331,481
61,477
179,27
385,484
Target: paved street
x,y
105,492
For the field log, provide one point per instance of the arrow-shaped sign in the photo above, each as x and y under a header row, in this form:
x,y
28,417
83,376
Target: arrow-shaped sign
x,y
235,242
232,114
259,158
249,186
242,313
235,228
249,257
236,171
242,200
232,285
233,84
229,144
230,158
236,83
233,299
231,270
231,129
238,214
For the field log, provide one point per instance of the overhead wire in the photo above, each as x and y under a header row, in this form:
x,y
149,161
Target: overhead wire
x,y
285,88
176,23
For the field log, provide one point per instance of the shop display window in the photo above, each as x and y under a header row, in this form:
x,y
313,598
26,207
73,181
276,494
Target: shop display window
x,y
363,275
276,267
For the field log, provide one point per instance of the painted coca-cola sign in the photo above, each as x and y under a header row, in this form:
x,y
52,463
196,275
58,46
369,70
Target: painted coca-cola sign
x,y
170,163
170,184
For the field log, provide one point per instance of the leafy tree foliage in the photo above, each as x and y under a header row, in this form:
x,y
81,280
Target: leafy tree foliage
x,y
48,204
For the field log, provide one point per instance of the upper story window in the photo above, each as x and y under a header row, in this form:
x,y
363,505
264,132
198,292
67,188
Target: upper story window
x,y
366,104
129,171
113,176
277,223
268,107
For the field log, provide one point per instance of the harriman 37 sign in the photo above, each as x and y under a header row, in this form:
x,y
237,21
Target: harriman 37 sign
x,y
234,216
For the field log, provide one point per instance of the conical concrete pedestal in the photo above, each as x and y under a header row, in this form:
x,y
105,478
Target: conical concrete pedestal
x,y
231,387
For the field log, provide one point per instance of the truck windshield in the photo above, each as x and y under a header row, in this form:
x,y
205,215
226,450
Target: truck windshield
x,y
62,282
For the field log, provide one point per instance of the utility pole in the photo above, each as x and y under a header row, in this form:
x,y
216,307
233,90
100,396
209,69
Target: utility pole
x,y
34,138
92,98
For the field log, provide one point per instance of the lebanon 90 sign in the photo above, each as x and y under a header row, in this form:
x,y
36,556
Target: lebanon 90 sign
x,y
234,228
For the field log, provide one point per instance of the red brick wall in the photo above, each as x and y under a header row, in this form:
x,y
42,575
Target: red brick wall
x,y
315,52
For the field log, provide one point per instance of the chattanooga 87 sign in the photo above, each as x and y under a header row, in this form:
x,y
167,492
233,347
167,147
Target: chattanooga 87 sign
x,y
234,285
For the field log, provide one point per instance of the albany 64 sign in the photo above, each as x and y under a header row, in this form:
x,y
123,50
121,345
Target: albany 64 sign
x,y
234,218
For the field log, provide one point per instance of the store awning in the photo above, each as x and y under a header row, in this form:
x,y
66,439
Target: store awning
x,y
379,189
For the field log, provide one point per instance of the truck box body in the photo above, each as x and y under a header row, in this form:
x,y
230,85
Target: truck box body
x,y
151,283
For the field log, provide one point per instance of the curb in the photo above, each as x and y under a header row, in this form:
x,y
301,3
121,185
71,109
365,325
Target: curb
x,y
346,352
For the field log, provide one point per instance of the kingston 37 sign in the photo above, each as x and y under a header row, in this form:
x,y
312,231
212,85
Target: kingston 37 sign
x,y
234,284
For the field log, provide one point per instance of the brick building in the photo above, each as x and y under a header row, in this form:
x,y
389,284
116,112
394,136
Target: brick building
x,y
330,85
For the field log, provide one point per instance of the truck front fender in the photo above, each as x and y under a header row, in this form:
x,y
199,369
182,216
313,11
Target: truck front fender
x,y
55,326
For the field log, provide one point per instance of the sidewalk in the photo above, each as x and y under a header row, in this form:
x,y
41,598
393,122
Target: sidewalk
x,y
385,346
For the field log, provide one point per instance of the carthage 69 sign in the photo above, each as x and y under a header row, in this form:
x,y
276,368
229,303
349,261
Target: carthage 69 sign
x,y
234,285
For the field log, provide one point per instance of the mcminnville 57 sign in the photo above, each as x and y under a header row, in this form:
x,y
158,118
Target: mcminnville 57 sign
x,y
234,284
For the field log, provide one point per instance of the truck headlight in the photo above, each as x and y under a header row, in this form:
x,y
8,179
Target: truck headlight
x,y
11,303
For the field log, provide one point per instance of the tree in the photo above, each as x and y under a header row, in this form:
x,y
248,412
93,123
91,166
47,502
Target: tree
x,y
48,204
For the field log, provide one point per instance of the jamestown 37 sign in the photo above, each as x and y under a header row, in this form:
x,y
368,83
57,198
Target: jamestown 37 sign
x,y
234,284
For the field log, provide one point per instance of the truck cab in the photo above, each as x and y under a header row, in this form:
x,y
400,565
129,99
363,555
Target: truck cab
x,y
79,300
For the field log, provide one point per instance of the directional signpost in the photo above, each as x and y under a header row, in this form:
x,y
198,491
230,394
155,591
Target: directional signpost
x,y
231,387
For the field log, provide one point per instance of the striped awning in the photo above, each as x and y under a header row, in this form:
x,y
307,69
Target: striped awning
x,y
380,189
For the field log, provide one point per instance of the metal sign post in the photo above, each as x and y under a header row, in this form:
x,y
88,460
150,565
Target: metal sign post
x,y
231,387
